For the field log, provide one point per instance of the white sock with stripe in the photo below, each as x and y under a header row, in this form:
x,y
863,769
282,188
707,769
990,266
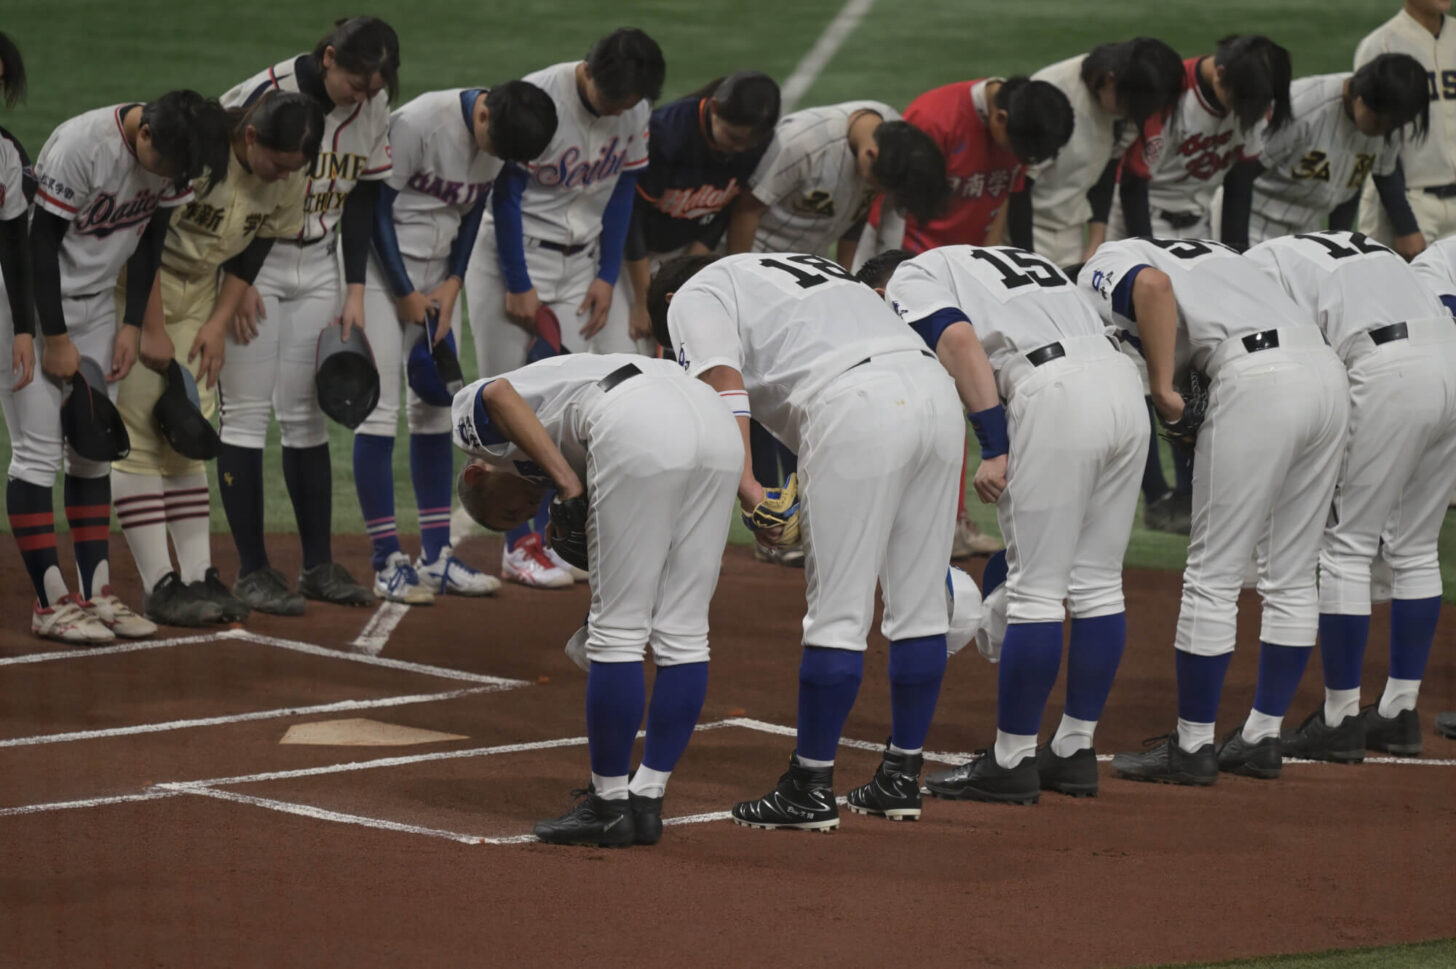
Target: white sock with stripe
x,y
141,509
186,498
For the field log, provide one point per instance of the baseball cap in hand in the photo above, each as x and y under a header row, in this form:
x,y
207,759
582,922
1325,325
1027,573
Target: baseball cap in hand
x,y
178,412
90,422
547,341
434,372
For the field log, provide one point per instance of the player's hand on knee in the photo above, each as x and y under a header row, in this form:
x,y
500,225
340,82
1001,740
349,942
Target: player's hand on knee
x,y
1410,246
22,360
61,358
990,479
245,321
597,304
521,309
209,345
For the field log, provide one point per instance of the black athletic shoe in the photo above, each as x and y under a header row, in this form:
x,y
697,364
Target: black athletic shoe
x,y
1164,762
1316,740
1261,759
802,801
982,779
646,819
894,791
212,589
173,603
331,582
594,821
1075,774
266,590
1446,725
1399,735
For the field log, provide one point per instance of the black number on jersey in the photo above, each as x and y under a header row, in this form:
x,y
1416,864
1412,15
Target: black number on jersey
x,y
1363,165
1189,248
1039,271
1359,243
1315,165
1446,90
828,269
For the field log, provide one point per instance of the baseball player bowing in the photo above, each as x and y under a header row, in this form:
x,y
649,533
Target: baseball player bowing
x,y
107,183
1062,462
644,462
1267,455
447,148
1399,466
795,341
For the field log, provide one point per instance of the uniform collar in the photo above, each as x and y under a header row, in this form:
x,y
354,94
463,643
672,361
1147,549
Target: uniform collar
x,y
978,96
467,106
1418,26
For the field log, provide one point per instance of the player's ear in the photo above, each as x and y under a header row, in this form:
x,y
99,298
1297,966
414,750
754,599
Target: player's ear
x,y
1001,117
474,473
667,298
330,56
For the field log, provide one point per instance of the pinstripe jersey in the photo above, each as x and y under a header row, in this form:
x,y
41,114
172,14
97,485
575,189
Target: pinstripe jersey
x,y
88,174
810,180
1320,159
1432,161
355,146
1059,193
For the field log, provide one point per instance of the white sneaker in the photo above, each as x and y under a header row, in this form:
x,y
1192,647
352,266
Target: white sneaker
x,y
117,616
398,582
447,574
530,564
69,623
577,575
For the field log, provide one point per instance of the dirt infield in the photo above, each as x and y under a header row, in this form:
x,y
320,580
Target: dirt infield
x,y
130,834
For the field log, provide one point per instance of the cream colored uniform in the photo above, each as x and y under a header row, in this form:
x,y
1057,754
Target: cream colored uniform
x,y
1430,165
300,282
660,457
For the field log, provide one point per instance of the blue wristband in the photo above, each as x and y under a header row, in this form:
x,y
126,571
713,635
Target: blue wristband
x,y
990,428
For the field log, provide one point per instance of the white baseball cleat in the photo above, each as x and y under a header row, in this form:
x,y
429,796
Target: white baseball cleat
x,y
398,582
117,616
577,575
68,622
530,564
447,574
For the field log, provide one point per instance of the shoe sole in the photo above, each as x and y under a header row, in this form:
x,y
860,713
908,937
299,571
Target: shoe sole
x,y
818,827
80,639
1182,780
511,575
353,600
1258,773
1327,756
587,843
894,814
1072,790
1399,750
985,797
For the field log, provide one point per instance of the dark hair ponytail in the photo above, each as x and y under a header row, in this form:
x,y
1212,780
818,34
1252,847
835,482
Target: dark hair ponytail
x,y
14,79
1394,86
285,121
190,132
1256,75
747,98
365,46
1147,75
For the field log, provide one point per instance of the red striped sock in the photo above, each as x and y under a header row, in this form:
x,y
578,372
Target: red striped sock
x,y
33,524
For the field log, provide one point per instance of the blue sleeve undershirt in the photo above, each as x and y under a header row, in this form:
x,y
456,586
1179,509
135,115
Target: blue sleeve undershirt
x,y
933,326
1122,293
386,244
484,429
510,242
615,222
464,243
1450,303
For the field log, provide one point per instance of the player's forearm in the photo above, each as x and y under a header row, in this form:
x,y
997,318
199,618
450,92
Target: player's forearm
x,y
844,252
46,233
229,298
386,244
1137,217
965,360
616,220
743,224
1238,198
355,227
1018,218
728,382
246,264
510,241
464,245
515,420
639,274
15,269
1157,322
141,268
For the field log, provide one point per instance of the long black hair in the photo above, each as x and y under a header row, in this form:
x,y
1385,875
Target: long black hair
x,y
1256,75
910,167
626,64
1394,86
14,78
190,132
285,121
747,98
1147,75
364,46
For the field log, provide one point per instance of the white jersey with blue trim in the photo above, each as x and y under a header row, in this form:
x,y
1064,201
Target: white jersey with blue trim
x,y
789,323
1436,267
439,171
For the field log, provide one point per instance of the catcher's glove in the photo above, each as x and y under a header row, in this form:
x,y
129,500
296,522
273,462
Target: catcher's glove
x,y
778,509
568,529
1195,408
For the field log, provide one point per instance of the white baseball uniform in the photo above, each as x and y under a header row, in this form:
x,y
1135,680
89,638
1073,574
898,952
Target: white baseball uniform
x,y
828,369
88,174
1268,454
300,281
12,206
561,208
660,458
1430,165
440,174
1316,162
1074,412
1399,343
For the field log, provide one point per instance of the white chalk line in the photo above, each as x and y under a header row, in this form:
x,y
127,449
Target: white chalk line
x,y
375,634
133,646
322,814
151,794
807,71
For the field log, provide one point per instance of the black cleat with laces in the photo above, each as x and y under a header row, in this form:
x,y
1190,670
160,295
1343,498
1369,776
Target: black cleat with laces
x,y
1316,740
1165,762
594,821
646,819
894,791
1399,735
982,779
802,801
1259,759
1074,775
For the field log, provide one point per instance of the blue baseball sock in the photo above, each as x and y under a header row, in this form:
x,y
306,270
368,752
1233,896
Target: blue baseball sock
x,y
1412,628
1092,660
1030,657
615,695
1342,649
917,667
519,532
1200,685
1280,669
374,482
677,700
828,683
432,472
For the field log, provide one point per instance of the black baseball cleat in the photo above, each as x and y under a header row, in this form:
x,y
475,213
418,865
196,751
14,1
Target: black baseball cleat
x,y
173,603
594,821
1259,759
1399,735
1165,762
982,779
331,582
646,819
1446,725
213,590
802,801
266,590
1074,774
1316,740
894,791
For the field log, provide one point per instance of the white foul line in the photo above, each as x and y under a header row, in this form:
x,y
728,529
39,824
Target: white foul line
x,y
150,794
376,632
807,71
322,814
134,646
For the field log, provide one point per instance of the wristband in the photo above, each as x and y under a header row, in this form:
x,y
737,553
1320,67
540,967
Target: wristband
x,y
990,428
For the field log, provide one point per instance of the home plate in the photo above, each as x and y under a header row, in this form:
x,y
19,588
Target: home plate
x,y
362,732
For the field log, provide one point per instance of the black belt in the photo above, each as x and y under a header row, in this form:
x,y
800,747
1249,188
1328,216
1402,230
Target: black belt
x,y
625,372
1385,334
1046,354
1181,220
1267,340
565,250
1441,191
923,353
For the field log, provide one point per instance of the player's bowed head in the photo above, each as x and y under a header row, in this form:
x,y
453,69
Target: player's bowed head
x,y
517,121
358,59
1134,79
906,164
1033,119
621,69
671,276
1251,76
497,499
1387,94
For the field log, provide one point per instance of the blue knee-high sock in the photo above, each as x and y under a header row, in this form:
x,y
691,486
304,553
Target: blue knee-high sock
x,y
917,667
677,700
1182,467
1280,669
828,683
543,513
431,469
1154,485
1030,657
1412,627
374,481
1200,685
514,535
1092,659
1342,649
615,695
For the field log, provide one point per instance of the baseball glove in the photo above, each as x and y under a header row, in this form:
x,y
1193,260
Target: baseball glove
x,y
1195,408
568,529
778,509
